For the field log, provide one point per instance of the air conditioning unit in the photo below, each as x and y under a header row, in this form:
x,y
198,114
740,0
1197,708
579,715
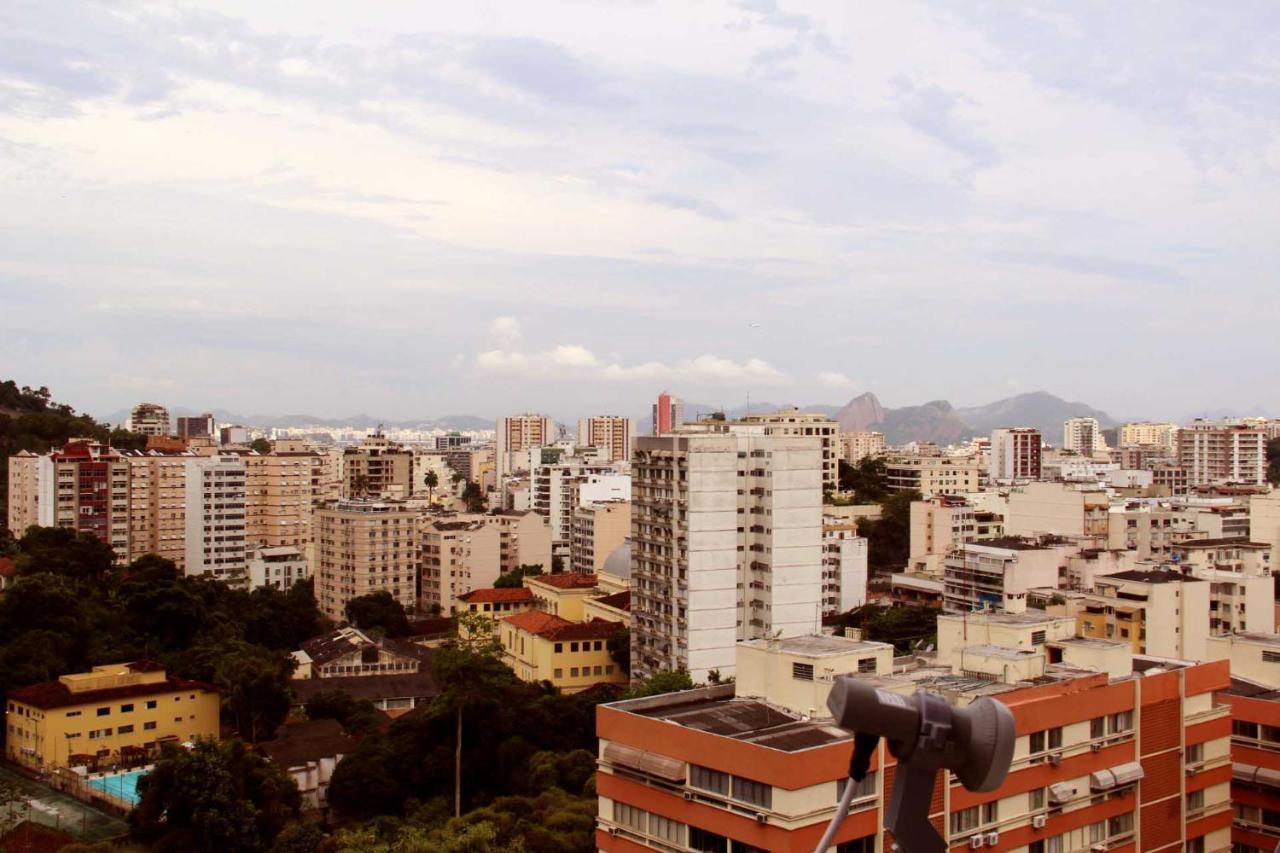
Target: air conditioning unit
x,y
975,842
1039,821
1096,747
688,795
1055,759
761,817
614,830
993,838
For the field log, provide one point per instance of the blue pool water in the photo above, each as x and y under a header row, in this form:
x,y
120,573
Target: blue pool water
x,y
123,786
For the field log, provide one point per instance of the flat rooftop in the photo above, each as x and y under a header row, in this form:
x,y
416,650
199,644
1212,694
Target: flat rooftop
x,y
747,720
818,646
1088,643
1000,651
1257,638
999,617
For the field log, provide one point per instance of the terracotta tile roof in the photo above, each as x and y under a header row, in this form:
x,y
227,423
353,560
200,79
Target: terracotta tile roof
x,y
536,621
494,594
567,580
619,600
419,686
296,744
553,627
55,694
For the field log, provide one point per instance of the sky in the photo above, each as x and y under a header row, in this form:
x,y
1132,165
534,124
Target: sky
x,y
417,209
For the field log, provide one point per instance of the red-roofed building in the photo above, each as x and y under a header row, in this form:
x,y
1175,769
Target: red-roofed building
x,y
562,594
495,603
573,656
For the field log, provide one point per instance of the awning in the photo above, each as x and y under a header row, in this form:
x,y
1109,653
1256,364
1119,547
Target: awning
x,y
1102,780
1061,792
651,763
1251,775
1121,774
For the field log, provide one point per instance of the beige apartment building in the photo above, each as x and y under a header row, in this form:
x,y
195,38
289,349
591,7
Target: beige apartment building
x,y
1215,452
377,468
1264,521
518,434
362,547
933,475
943,523
84,486
610,434
856,446
795,422
1083,436
1060,509
157,505
598,529
463,552
280,490
1163,435
1158,612
148,419
1015,454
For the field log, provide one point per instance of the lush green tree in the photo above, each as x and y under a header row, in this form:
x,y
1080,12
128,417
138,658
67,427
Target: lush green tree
x,y
865,479
260,445
889,537
431,479
378,610
213,797
474,497
365,783
301,837
557,564
284,620
662,682
360,485
66,552
515,577
907,628
1273,461
356,716
619,645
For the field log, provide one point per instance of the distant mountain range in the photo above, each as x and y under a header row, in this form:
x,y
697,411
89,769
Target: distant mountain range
x,y
937,420
361,421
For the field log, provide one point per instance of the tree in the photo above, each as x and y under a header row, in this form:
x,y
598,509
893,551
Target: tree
x,y
360,485
213,797
662,682
557,564
515,577
473,497
431,479
889,537
471,679
1273,461
907,628
356,716
378,610
255,689
66,552
301,837
865,479
619,645
260,445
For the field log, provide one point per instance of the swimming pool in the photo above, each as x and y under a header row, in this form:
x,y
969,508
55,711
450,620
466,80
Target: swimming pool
x,y
122,786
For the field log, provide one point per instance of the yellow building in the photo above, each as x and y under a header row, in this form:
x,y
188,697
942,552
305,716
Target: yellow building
x,y
106,715
573,656
562,595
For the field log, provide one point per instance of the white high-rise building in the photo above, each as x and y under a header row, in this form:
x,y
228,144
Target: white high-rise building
x,y
518,434
844,566
1015,454
1083,436
1213,452
726,545
215,518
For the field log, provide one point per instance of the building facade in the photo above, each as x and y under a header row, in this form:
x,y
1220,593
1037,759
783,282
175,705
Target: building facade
x,y
610,434
1083,436
215,524
362,547
83,487
148,419
844,566
377,468
856,446
1213,452
518,434
197,425
668,413
1163,435
598,529
795,422
932,475
1015,454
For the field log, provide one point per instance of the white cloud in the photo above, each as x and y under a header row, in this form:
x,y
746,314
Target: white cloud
x,y
505,332
566,361
572,355
832,379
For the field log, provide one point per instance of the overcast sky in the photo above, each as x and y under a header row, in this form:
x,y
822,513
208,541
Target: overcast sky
x,y
415,209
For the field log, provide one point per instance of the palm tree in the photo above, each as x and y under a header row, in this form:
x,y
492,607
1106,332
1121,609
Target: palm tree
x,y
359,485
431,479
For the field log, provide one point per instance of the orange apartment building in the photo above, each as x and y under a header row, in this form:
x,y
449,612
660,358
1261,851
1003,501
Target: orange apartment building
x,y
1255,757
1127,762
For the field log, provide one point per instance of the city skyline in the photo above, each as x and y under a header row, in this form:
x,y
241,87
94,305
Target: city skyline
x,y
474,211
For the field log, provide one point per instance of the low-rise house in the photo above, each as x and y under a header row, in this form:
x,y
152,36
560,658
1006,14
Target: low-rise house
x,y
351,652
394,694
309,751
573,656
562,595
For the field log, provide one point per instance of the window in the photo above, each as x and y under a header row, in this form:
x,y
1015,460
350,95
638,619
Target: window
x,y
102,712
1271,733
1055,737
1195,845
149,727
1195,801
1195,753
125,730
559,673
1053,845
666,829
1098,832
865,788
1037,638
126,709
1121,722
559,648
629,816
802,671
573,647
1241,728
1120,824
596,646
151,704
708,779
707,842
573,672
755,793
1271,657
1035,799
857,845
990,812
1035,742
964,820
867,665
69,713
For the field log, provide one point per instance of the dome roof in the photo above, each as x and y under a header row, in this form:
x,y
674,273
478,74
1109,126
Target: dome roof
x,y
618,563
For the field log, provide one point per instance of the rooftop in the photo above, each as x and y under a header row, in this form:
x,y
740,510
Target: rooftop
x,y
414,685
551,627
999,651
566,580
56,694
817,645
1232,541
618,601
496,594
1257,638
1153,576
298,743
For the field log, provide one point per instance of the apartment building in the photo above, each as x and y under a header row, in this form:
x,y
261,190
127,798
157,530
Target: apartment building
x,y
83,487
1156,612
844,566
133,709
932,475
1264,521
609,434
856,446
215,523
516,436
377,468
197,425
158,505
997,574
598,529
795,422
463,552
1164,435
1255,765
1113,751
1083,436
277,568
1058,509
280,492
941,524
726,545
558,489
572,656
148,419
1222,452
668,413
1235,555
1015,455
1150,530
1254,656
362,547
